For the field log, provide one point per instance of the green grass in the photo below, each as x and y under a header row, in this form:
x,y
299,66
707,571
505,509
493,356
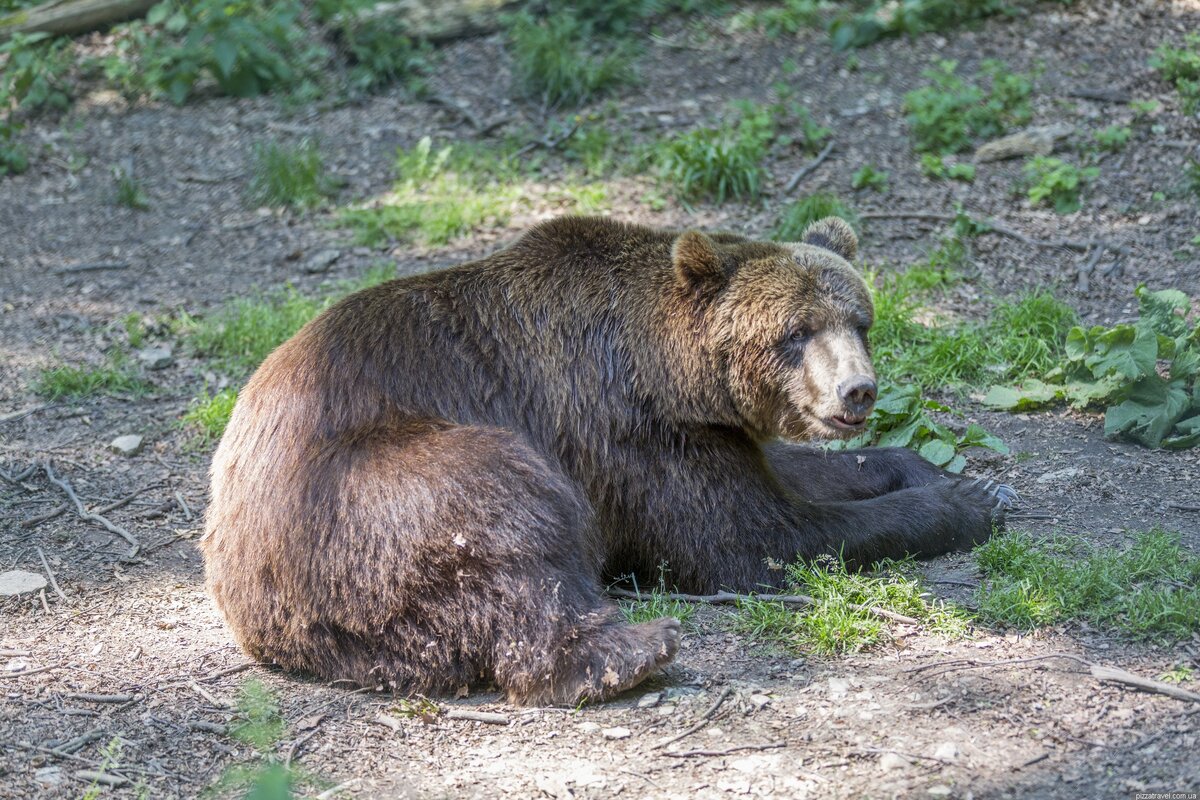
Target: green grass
x,y
833,625
289,176
209,415
948,114
856,27
1113,138
868,177
245,331
440,195
1148,590
799,215
722,163
658,605
115,377
936,167
1054,182
781,18
1180,66
130,194
553,65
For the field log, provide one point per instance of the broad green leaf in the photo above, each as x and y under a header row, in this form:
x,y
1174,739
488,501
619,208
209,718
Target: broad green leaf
x,y
976,436
225,53
901,436
937,452
1187,434
1083,393
1029,395
158,13
1125,350
1164,311
956,464
1153,408
1186,363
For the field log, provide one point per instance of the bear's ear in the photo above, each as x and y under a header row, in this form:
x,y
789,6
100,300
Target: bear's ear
x,y
833,234
697,262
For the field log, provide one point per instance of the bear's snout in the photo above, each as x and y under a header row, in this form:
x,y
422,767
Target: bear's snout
x,y
858,394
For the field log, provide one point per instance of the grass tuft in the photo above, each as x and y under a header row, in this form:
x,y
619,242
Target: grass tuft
x,y
800,214
552,65
1149,590
721,163
286,176
130,193
209,415
116,376
659,605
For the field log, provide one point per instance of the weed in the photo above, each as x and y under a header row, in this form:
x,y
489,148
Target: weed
x,y
1143,109
208,416
1118,368
1181,674
783,18
1149,590
911,17
719,163
1113,138
552,66
867,177
135,329
658,605
115,377
1052,181
948,114
597,149
800,214
838,621
377,48
439,195
936,167
1181,67
110,760
259,725
286,176
130,193
418,707
32,78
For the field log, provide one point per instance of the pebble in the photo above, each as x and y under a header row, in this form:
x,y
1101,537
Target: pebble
x,y
321,261
939,790
588,727
1058,475
49,776
128,445
156,357
649,700
947,751
616,733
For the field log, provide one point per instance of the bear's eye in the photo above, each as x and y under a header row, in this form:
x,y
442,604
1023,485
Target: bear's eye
x,y
799,336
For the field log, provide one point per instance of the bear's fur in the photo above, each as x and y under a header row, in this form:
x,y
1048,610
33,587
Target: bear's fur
x,y
427,486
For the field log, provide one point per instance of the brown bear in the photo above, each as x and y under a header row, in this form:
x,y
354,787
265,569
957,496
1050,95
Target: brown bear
x,y
426,487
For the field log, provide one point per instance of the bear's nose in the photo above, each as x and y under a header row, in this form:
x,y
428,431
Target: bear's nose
x,y
857,393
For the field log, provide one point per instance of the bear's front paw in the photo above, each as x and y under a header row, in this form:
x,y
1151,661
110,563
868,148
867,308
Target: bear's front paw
x,y
989,502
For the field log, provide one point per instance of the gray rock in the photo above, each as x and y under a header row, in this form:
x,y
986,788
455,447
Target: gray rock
x,y
321,261
649,700
127,445
616,733
156,357
1039,141
19,581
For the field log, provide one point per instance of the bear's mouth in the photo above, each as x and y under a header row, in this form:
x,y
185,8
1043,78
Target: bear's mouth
x,y
846,422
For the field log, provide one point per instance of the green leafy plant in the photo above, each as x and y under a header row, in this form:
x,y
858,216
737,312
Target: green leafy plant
x,y
903,418
290,176
1119,369
551,62
1191,177
258,724
32,77
782,18
936,167
867,177
799,215
948,114
1112,138
130,194
719,163
1054,182
1181,67
1149,590
909,17
839,620
376,46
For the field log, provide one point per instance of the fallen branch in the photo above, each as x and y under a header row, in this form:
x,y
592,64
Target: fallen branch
x,y
1115,675
488,717
103,266
50,574
89,516
104,778
69,17
914,756
807,169
1081,245
721,598
1183,507
736,749
341,787
25,412
25,672
700,723
88,697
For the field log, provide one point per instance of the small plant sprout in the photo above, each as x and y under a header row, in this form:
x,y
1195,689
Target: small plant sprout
x,y
1054,182
868,177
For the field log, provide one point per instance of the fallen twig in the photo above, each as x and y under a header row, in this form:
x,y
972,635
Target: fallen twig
x,y
88,697
50,574
205,725
84,514
917,756
725,752
489,717
341,787
807,169
700,723
104,778
787,599
1183,507
221,673
33,522
16,478
183,506
25,672
25,412
101,266
6,653
460,108
72,746
296,745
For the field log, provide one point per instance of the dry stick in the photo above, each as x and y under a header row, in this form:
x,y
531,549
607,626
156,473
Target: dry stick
x,y
914,756
1183,507
457,107
807,169
72,746
84,514
700,723
100,777
33,522
6,653
296,745
16,415
787,599
476,716
341,787
97,267
25,672
227,671
187,512
1081,245
726,751
50,574
20,476
549,144
100,698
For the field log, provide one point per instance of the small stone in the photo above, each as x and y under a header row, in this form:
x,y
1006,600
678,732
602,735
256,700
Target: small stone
x,y
18,581
156,357
1058,475
587,727
321,261
649,700
616,733
891,761
759,700
939,790
838,687
128,445
946,751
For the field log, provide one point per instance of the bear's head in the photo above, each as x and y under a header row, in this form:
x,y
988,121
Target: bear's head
x,y
787,328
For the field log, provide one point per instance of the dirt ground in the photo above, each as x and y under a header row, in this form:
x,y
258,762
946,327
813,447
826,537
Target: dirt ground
x,y
995,715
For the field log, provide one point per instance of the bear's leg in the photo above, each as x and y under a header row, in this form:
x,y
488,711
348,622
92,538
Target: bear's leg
x,y
429,558
826,475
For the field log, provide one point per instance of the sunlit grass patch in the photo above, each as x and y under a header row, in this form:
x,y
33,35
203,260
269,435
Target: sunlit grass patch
x,y
839,621
553,61
1150,589
290,176
722,163
209,414
657,604
799,215
117,376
